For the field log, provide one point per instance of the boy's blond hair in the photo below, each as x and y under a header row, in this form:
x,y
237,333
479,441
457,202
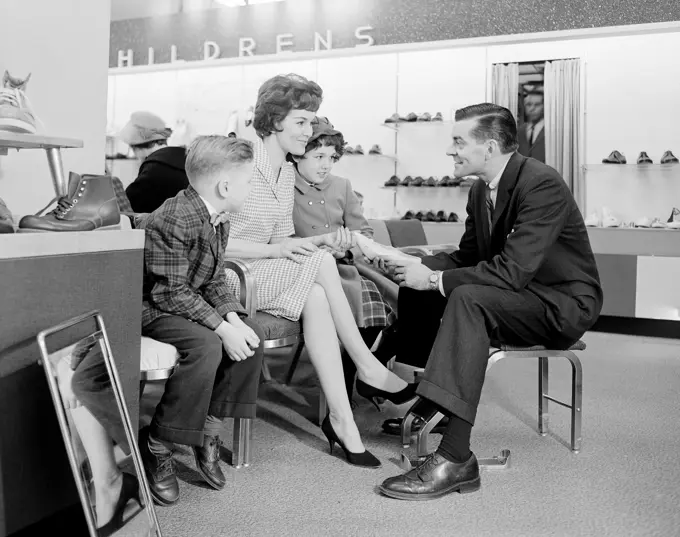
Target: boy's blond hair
x,y
209,155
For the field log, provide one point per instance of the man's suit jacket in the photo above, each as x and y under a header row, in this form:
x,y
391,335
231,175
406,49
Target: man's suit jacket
x,y
184,263
538,242
535,150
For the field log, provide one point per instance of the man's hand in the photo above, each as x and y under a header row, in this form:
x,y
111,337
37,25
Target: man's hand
x,y
290,247
65,378
234,342
245,330
415,276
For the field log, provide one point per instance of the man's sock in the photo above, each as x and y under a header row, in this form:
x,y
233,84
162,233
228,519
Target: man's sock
x,y
159,447
455,444
213,426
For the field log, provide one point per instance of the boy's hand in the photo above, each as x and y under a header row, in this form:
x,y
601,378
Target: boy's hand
x,y
234,342
245,330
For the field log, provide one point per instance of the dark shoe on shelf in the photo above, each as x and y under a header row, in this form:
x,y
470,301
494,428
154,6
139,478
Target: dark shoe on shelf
x,y
6,227
160,472
411,117
433,478
430,217
208,461
441,216
90,204
453,217
438,117
425,117
431,181
675,215
392,181
455,181
365,459
358,150
615,157
644,158
394,118
419,216
375,150
408,216
668,158
444,181
408,181
418,181
349,150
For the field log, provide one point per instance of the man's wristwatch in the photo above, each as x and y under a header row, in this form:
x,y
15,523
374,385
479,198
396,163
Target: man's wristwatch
x,y
434,280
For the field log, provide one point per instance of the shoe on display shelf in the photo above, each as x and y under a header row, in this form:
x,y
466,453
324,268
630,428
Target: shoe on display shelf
x,y
90,204
453,217
675,215
425,117
431,181
358,150
408,215
668,158
441,216
438,117
644,222
6,219
16,112
394,118
418,181
420,215
608,219
349,150
375,150
444,181
392,181
615,157
644,158
430,217
411,117
658,224
408,181
592,220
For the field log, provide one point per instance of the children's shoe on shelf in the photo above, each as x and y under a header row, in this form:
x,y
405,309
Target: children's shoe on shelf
x,y
408,216
392,181
675,215
394,118
608,219
418,181
643,222
668,158
431,181
16,113
438,117
375,150
430,217
425,117
408,180
644,158
441,216
615,157
420,215
90,204
6,220
592,220
453,217
658,224
358,150
411,117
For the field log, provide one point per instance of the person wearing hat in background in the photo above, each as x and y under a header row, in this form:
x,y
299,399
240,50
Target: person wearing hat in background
x,y
325,203
161,174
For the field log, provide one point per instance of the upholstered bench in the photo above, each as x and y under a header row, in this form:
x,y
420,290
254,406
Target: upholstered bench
x,y
498,352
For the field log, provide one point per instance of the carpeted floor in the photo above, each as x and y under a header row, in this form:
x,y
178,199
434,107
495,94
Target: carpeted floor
x,y
625,481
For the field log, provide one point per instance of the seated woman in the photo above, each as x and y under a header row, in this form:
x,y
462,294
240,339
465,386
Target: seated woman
x,y
294,277
325,202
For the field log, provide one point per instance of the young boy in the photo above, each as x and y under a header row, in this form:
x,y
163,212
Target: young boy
x,y
188,305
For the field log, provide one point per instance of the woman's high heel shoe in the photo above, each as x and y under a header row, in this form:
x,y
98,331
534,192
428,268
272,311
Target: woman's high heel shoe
x,y
129,491
371,393
365,459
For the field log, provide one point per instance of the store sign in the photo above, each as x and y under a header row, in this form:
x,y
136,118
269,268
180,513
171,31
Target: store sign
x,y
247,46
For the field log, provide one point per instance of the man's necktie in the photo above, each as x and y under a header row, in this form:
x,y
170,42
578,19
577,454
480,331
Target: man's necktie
x,y
217,219
531,134
489,206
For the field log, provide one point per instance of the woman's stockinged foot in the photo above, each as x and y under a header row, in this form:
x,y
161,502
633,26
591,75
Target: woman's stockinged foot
x,y
348,433
383,379
107,499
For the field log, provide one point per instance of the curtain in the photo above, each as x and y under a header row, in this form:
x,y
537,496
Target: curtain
x,y
505,86
562,112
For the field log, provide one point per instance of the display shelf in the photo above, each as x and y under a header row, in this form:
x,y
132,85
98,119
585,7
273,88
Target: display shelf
x,y
12,140
415,124
645,168
392,158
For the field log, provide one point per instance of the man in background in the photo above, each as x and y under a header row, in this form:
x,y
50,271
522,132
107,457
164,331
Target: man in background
x,y
532,134
161,173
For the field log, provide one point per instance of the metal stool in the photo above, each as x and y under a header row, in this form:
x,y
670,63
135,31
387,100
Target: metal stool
x,y
497,353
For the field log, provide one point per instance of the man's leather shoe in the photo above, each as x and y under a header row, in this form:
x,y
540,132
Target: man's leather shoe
x,y
418,181
408,180
615,157
668,158
453,217
160,472
392,181
411,117
434,478
208,462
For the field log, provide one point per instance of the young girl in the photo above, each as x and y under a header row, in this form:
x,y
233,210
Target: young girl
x,y
325,203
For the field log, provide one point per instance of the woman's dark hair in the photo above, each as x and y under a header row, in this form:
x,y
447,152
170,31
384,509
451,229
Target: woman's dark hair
x,y
336,141
281,94
493,123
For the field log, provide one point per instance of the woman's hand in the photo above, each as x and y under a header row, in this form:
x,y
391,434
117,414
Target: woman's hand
x,y
342,240
289,248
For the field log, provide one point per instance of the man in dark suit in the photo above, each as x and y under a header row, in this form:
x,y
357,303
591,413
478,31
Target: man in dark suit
x,y
532,133
524,274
